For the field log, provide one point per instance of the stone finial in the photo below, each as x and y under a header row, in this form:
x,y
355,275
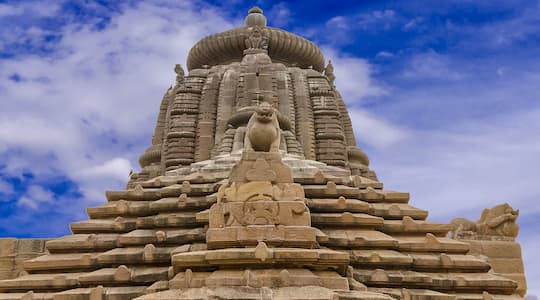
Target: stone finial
x,y
179,73
329,72
255,17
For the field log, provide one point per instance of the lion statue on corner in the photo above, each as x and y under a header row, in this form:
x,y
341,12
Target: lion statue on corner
x,y
262,132
499,220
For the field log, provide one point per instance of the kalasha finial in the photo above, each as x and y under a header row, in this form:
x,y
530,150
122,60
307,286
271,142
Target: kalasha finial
x,y
255,17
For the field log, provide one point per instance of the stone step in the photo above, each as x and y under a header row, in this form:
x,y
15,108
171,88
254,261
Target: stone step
x,y
406,293
116,225
151,194
258,278
448,262
345,219
120,208
277,293
149,254
83,243
27,296
431,243
59,262
455,282
100,292
383,196
182,202
170,237
337,205
396,211
260,256
169,220
379,258
485,295
410,226
358,238
331,190
124,275
41,282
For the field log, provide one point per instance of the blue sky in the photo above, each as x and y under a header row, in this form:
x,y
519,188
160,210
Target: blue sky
x,y
444,97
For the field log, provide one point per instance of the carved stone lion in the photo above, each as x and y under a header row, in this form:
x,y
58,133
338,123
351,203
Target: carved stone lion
x,y
499,220
262,132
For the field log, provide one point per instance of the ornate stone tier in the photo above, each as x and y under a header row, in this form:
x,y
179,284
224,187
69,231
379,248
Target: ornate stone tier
x,y
141,233
206,112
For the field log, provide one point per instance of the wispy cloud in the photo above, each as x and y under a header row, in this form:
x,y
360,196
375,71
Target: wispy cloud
x,y
6,189
35,196
79,110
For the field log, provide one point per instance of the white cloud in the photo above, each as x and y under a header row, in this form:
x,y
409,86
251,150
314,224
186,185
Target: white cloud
x,y
81,111
278,15
96,179
385,54
28,7
375,131
432,65
36,196
413,24
354,77
6,189
377,19
338,22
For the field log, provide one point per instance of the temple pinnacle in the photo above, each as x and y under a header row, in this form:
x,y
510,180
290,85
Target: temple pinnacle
x,y
255,17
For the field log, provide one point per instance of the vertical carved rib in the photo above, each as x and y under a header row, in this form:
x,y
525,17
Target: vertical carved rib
x,y
292,111
345,120
226,102
305,133
206,119
226,144
330,138
282,93
182,123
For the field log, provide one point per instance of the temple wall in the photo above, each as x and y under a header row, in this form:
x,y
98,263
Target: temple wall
x,y
504,257
13,252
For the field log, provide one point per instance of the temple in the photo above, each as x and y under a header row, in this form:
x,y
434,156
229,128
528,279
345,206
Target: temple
x,y
254,188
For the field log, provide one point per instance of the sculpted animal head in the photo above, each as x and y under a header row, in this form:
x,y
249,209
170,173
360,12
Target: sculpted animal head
x,y
265,113
500,220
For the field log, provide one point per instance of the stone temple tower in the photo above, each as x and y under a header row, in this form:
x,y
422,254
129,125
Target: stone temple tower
x,y
254,188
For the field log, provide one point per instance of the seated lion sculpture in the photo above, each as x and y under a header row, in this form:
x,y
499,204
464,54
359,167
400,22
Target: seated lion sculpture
x,y
262,132
499,220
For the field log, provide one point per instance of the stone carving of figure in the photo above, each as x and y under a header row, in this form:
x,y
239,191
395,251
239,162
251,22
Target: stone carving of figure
x,y
257,39
499,220
329,72
179,73
262,132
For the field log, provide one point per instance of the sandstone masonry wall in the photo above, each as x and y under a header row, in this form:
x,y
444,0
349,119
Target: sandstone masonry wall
x,y
504,257
14,251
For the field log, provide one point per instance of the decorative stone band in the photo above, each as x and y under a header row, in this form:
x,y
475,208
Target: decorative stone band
x,y
229,46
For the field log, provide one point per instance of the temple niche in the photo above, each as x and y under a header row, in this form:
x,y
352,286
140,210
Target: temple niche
x,y
254,187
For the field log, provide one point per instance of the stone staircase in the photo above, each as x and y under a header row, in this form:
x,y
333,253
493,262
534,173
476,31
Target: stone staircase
x,y
360,239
